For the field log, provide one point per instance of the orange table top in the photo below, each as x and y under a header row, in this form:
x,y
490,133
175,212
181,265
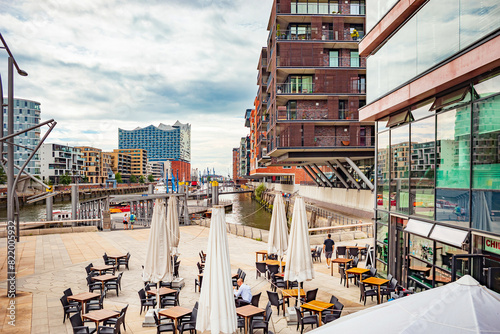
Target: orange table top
x,y
375,281
84,296
101,315
274,262
357,270
248,311
341,260
117,256
292,292
316,305
420,268
161,292
261,252
175,312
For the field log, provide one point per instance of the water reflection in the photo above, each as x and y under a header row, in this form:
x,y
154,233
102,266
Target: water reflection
x,y
247,211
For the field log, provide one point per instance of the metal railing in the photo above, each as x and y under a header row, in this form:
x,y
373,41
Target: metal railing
x,y
321,9
308,57
344,35
295,88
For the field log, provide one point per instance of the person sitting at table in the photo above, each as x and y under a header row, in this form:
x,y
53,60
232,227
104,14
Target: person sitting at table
x,y
244,293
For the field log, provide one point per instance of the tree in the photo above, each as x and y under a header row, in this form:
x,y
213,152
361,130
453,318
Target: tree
x,y
142,179
118,177
85,179
151,178
133,178
3,176
65,179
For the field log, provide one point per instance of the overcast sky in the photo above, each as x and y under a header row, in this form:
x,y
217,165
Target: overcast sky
x,y
99,65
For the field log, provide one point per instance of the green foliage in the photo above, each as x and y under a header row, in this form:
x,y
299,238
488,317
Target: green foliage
x,y
118,177
259,190
142,179
133,178
3,176
65,179
85,179
151,178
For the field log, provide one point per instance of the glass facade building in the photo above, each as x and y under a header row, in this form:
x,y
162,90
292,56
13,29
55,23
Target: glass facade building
x,y
27,114
437,107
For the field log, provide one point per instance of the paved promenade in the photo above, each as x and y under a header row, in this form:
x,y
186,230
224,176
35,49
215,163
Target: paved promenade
x,y
48,264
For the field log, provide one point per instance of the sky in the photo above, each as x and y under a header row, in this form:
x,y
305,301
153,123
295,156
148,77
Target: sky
x,y
99,65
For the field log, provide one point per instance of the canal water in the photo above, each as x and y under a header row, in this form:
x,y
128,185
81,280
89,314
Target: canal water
x,y
245,211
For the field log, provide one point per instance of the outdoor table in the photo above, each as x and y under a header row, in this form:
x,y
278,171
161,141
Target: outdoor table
x,y
439,278
358,247
83,298
317,307
355,271
117,256
275,263
161,291
101,268
338,260
101,315
261,252
247,312
104,278
456,252
175,313
420,269
291,293
378,282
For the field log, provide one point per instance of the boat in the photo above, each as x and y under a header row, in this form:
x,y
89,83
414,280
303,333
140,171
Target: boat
x,y
61,215
119,207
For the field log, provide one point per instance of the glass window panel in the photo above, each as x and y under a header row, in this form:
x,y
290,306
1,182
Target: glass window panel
x,y
382,233
334,58
376,9
453,148
417,273
381,268
323,8
444,254
421,110
383,162
486,154
400,157
488,86
477,19
421,248
486,210
452,206
382,251
354,59
423,157
312,8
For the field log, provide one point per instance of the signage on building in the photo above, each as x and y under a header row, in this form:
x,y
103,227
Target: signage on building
x,y
492,245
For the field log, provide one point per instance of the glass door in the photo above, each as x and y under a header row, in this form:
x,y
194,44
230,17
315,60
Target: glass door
x,y
398,245
334,58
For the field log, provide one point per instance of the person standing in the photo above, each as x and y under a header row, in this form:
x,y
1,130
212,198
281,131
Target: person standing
x,y
132,221
328,249
125,222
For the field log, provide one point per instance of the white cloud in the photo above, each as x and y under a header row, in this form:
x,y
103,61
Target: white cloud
x,y
99,65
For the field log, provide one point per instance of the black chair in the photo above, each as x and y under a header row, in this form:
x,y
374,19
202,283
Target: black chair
x,y
303,320
108,261
353,252
94,285
112,321
310,295
446,260
261,269
69,308
170,300
371,273
366,293
354,263
164,284
112,330
123,261
202,258
68,293
344,278
243,275
200,268
387,290
189,325
255,299
275,300
90,271
111,285
278,283
272,269
78,327
341,251
176,269
263,324
316,254
145,302
165,327
363,252
333,299
97,305
197,283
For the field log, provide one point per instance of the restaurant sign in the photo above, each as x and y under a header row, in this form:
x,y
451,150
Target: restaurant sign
x,y
492,245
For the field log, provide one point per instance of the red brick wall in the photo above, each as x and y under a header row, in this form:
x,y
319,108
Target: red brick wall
x,y
184,169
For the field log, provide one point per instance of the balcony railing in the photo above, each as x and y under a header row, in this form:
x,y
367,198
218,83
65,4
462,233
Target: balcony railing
x,y
314,35
295,88
325,141
307,58
321,9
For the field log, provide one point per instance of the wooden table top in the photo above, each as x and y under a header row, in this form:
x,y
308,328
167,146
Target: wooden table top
x,y
341,260
117,256
163,291
358,247
175,312
261,252
102,267
104,278
316,305
292,292
375,281
84,296
280,275
248,311
274,262
439,278
420,268
357,270
457,252
101,315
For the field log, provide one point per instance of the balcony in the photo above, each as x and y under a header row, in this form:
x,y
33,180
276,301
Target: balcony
x,y
302,8
286,141
315,35
309,59
295,88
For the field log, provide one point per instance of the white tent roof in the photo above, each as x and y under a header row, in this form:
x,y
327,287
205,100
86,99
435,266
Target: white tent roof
x,y
299,264
216,308
463,306
278,229
158,266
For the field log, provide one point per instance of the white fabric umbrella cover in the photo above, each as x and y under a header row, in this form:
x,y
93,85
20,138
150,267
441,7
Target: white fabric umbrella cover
x,y
278,229
173,223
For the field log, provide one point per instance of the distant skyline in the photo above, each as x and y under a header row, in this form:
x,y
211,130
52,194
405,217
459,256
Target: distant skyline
x,y
97,66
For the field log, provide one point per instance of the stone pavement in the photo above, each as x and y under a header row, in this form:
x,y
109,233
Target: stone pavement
x,y
48,264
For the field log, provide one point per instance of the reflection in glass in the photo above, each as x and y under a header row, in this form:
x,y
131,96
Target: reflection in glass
x,y
422,167
382,252
444,255
486,133
453,148
400,157
486,210
382,233
417,273
421,110
488,86
383,161
452,206
421,248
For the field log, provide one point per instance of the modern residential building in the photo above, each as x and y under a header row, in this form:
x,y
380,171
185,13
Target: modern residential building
x,y
96,164
155,168
162,142
235,163
27,114
138,160
121,163
244,155
434,91
311,83
57,160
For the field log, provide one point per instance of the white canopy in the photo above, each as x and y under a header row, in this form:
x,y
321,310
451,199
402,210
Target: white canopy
x,y
463,306
278,229
299,264
216,308
158,266
173,223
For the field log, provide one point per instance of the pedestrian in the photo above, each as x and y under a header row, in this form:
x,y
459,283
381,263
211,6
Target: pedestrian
x,y
125,222
132,221
328,249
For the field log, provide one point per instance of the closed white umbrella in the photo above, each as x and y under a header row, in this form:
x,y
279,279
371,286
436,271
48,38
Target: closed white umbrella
x,y
278,229
216,307
173,224
299,261
463,306
158,266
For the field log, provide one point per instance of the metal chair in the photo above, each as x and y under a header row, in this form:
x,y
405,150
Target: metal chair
x,y
78,327
303,320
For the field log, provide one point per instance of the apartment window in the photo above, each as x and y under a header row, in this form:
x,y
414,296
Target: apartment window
x,y
299,84
334,58
299,31
342,109
355,59
357,7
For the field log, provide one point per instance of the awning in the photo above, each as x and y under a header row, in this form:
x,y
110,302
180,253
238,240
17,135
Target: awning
x,y
418,227
449,235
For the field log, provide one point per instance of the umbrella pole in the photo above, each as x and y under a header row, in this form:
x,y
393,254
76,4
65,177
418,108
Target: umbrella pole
x,y
298,293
